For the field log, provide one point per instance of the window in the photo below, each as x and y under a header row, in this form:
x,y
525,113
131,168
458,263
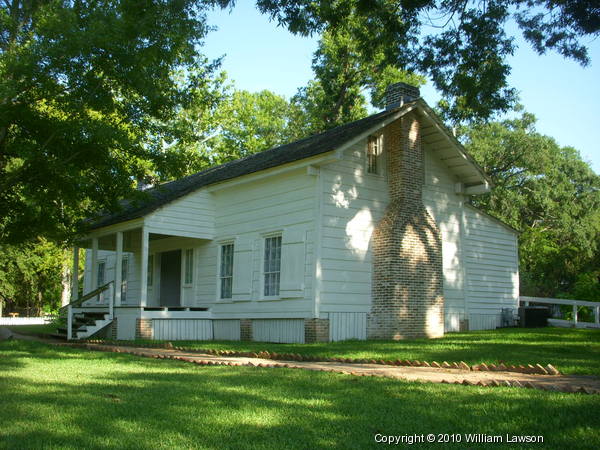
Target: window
x,y
272,265
101,279
226,270
150,279
124,274
189,266
373,152
101,273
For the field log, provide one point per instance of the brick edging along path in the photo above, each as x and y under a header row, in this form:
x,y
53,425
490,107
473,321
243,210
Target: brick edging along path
x,y
562,383
529,369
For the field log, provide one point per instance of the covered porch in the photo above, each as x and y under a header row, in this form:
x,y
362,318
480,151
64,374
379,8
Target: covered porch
x,y
149,269
134,272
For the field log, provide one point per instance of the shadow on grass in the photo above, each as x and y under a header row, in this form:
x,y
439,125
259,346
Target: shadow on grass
x,y
70,398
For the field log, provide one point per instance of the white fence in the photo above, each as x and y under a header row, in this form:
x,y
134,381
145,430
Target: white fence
x,y
24,320
575,304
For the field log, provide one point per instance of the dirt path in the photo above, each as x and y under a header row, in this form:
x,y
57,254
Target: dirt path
x,y
564,383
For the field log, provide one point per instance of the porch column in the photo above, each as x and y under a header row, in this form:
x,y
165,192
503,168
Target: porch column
x,y
144,268
118,268
94,263
75,275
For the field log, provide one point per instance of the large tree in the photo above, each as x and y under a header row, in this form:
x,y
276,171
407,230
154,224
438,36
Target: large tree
x,y
89,89
342,75
461,45
32,276
548,193
250,122
82,85
238,123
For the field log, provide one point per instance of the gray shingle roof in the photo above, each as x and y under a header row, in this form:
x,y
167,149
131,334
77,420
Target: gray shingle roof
x,y
304,148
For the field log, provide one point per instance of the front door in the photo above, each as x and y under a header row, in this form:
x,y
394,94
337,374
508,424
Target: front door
x,y
170,278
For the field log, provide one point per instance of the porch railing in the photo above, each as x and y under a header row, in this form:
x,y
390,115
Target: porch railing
x,y
575,304
68,309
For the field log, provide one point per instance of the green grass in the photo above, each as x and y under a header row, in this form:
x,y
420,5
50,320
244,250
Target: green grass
x,y
572,351
47,328
54,397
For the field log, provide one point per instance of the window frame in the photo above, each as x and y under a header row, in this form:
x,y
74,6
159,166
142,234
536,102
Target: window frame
x,y
101,264
100,279
187,282
378,156
124,277
220,276
264,273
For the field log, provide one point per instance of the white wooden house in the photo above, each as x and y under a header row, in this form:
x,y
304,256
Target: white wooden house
x,y
363,231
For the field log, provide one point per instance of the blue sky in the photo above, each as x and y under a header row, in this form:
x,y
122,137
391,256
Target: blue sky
x,y
564,96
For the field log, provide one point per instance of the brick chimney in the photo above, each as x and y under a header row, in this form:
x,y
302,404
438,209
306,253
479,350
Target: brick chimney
x,y
400,93
407,282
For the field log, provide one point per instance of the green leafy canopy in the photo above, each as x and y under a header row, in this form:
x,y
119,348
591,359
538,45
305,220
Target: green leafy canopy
x,y
90,91
461,45
81,86
550,194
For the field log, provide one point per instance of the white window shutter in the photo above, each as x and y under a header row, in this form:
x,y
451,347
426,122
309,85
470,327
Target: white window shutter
x,y
257,262
242,269
292,264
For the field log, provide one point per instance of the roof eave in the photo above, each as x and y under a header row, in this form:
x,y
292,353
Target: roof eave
x,y
485,183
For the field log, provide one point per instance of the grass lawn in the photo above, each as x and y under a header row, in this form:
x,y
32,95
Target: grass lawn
x,y
572,351
55,397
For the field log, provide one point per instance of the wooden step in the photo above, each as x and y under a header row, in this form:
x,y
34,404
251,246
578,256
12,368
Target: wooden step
x,y
84,321
94,315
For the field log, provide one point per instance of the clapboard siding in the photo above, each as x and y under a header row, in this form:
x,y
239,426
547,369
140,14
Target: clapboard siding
x,y
300,210
244,215
226,330
278,330
352,204
206,271
297,193
446,208
182,329
192,216
347,325
479,254
492,269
